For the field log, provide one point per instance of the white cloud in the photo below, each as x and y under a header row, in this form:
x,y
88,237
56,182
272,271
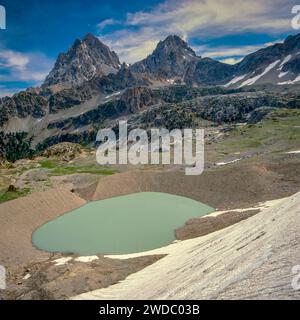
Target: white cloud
x,y
196,18
231,55
227,51
18,66
220,16
106,23
12,59
132,46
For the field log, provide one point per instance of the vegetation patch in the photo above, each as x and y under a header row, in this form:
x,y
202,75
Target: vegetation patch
x,y
12,194
279,131
60,170
14,146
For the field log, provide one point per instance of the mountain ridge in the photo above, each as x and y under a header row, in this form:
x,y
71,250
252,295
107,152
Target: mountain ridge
x,y
174,61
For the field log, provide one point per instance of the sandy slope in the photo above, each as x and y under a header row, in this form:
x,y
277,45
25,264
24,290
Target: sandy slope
x,y
235,186
20,217
251,259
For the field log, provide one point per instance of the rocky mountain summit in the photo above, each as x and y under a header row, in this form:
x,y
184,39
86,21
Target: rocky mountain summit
x,y
168,61
86,59
174,62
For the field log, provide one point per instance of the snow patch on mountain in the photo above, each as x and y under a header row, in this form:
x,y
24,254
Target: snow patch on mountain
x,y
282,74
252,80
235,80
285,60
297,79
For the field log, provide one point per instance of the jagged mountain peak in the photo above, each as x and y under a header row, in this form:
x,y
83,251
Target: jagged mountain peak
x,y
174,42
90,37
85,59
92,41
168,61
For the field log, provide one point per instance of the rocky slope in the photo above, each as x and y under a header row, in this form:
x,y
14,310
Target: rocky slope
x,y
137,98
22,105
207,71
277,64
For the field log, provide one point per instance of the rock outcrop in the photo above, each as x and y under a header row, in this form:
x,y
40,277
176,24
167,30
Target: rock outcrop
x,y
22,105
136,98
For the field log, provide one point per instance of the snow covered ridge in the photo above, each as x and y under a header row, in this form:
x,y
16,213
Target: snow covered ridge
x,y
276,72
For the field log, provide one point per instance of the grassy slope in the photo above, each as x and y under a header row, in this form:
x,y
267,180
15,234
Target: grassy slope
x,y
57,169
279,132
11,195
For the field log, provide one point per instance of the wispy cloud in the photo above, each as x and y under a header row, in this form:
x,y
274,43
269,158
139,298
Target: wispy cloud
x,y
204,19
220,16
103,24
228,51
229,54
17,66
12,59
132,46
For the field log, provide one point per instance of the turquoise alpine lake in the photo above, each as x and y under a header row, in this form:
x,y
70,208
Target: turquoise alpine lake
x,y
125,224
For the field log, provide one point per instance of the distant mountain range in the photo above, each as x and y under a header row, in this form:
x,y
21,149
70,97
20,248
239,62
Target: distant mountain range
x,y
173,61
88,87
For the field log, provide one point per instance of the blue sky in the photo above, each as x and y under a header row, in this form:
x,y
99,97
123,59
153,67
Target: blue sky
x,y
223,29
